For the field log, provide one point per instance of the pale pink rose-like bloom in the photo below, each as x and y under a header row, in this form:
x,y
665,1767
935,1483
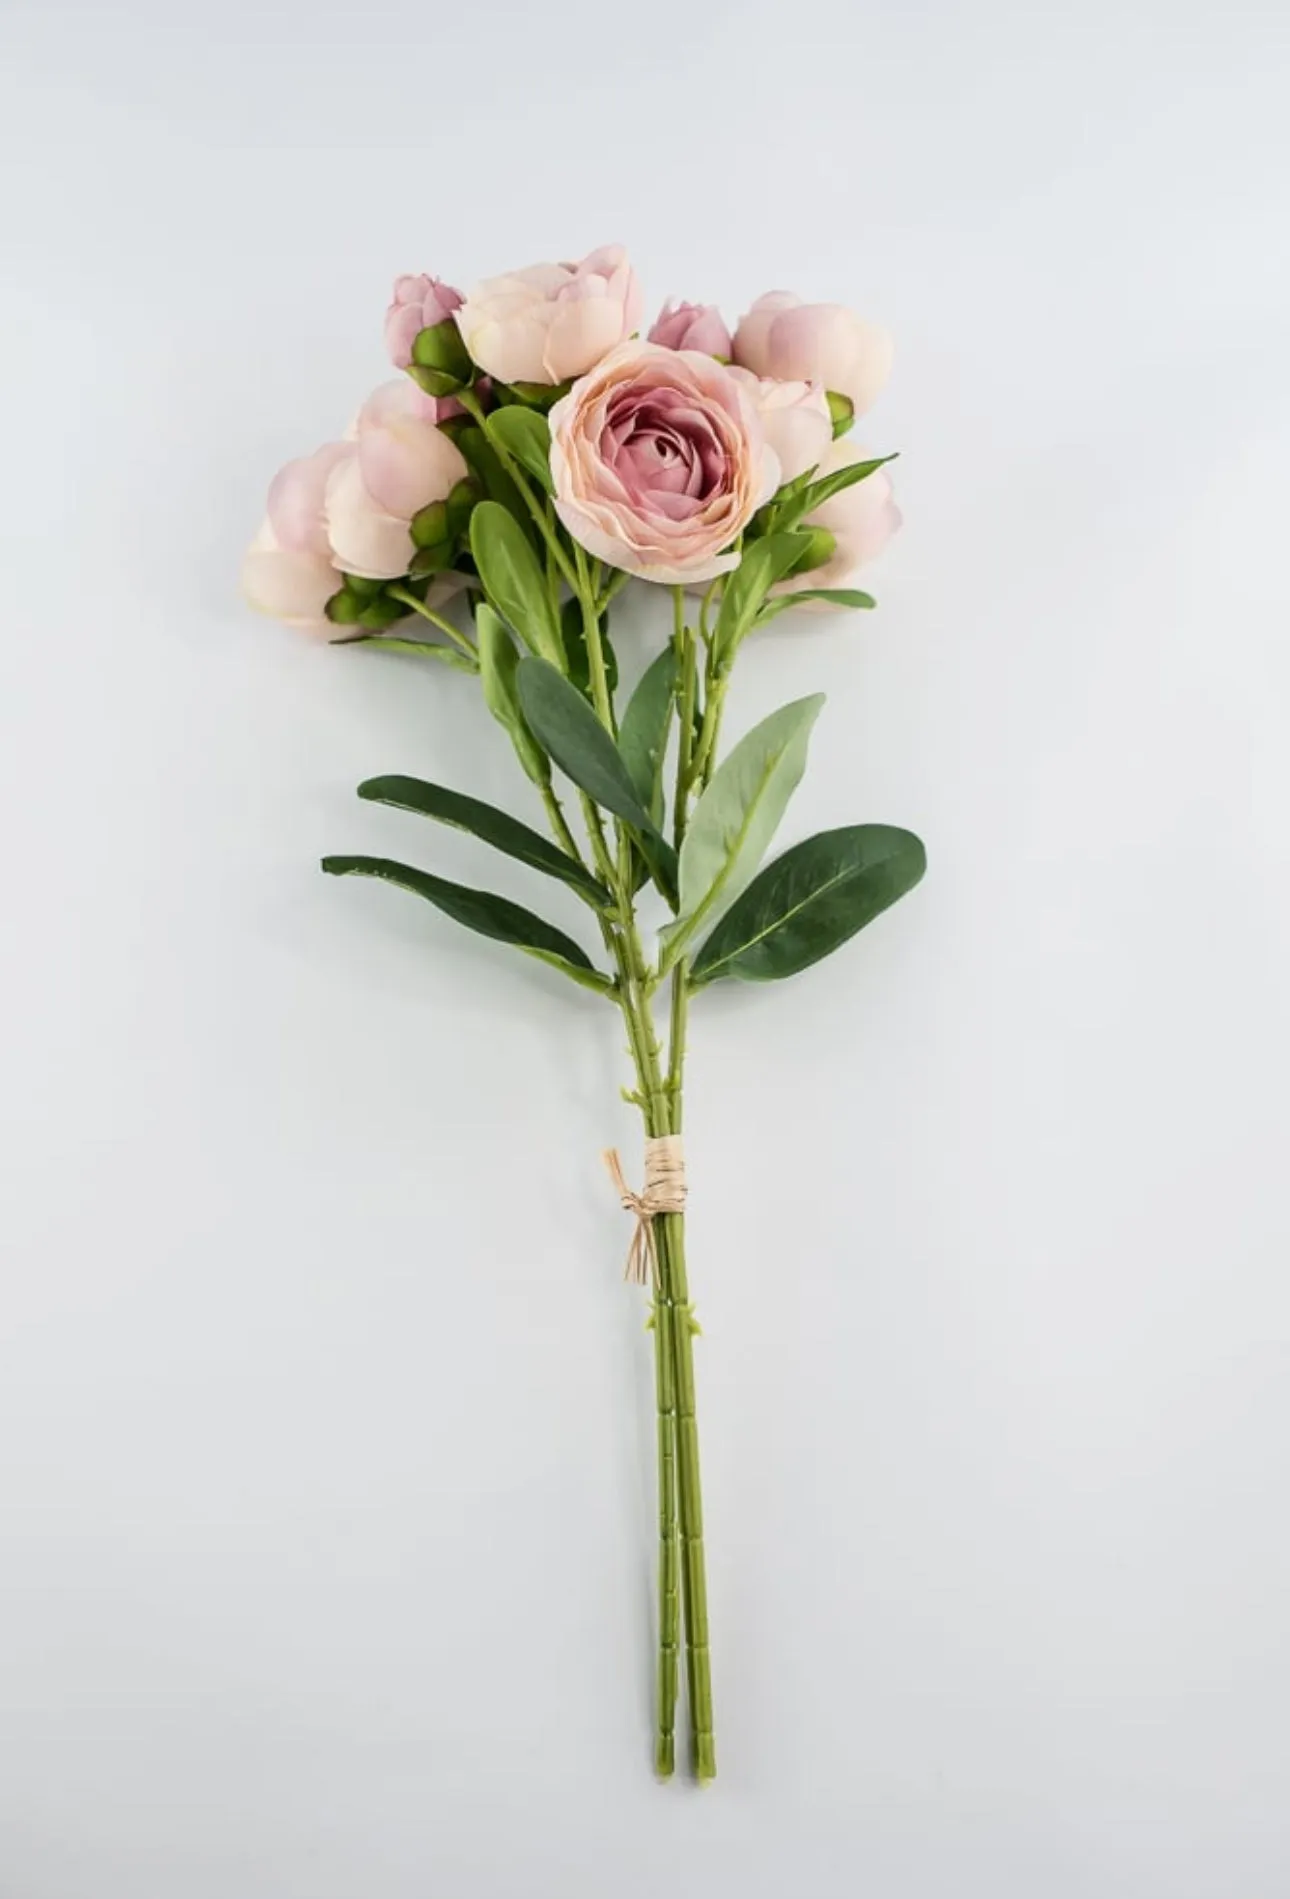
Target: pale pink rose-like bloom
x,y
815,342
692,326
289,584
551,322
659,461
398,398
418,304
862,519
795,417
398,463
295,503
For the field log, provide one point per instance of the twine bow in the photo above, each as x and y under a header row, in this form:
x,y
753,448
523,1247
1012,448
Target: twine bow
x,y
663,1192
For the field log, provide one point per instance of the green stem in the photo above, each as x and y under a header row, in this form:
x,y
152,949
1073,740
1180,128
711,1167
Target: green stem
x,y
408,599
674,1325
595,648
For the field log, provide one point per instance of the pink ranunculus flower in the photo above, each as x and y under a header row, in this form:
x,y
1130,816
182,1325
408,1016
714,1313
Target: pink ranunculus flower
x,y
418,304
289,584
862,519
815,342
795,416
692,326
398,398
659,461
295,503
551,322
399,463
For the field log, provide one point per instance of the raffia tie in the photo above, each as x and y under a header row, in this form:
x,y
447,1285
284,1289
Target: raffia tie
x,y
663,1192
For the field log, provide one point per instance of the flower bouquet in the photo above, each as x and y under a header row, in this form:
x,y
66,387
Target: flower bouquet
x,y
483,514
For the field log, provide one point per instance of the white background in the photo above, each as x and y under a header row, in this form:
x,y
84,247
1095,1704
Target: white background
x,y
325,1432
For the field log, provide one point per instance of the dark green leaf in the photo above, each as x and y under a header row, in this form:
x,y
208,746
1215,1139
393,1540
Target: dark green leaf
x,y
835,596
765,562
495,827
513,579
577,664
566,727
642,738
811,900
483,912
526,437
498,661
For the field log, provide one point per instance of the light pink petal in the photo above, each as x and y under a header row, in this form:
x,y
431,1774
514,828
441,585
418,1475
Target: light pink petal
x,y
581,333
407,464
365,539
295,504
289,586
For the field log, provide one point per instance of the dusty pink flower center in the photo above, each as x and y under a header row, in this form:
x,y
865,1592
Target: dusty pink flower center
x,y
665,451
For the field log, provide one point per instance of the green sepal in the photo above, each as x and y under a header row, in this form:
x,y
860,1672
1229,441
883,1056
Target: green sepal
x,y
429,525
440,348
434,382
842,411
533,395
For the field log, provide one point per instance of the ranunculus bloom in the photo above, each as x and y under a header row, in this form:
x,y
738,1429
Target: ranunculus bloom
x,y
815,342
288,583
862,519
795,417
295,503
692,326
399,398
553,321
399,463
419,303
659,461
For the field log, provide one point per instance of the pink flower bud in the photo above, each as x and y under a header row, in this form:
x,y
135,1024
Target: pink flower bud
x,y
815,342
418,304
692,326
551,322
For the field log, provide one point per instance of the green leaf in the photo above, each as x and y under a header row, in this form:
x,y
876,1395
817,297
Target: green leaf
x,y
835,596
525,436
498,661
423,649
494,827
819,492
736,817
565,725
483,912
765,562
577,663
485,464
642,737
513,579
810,901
